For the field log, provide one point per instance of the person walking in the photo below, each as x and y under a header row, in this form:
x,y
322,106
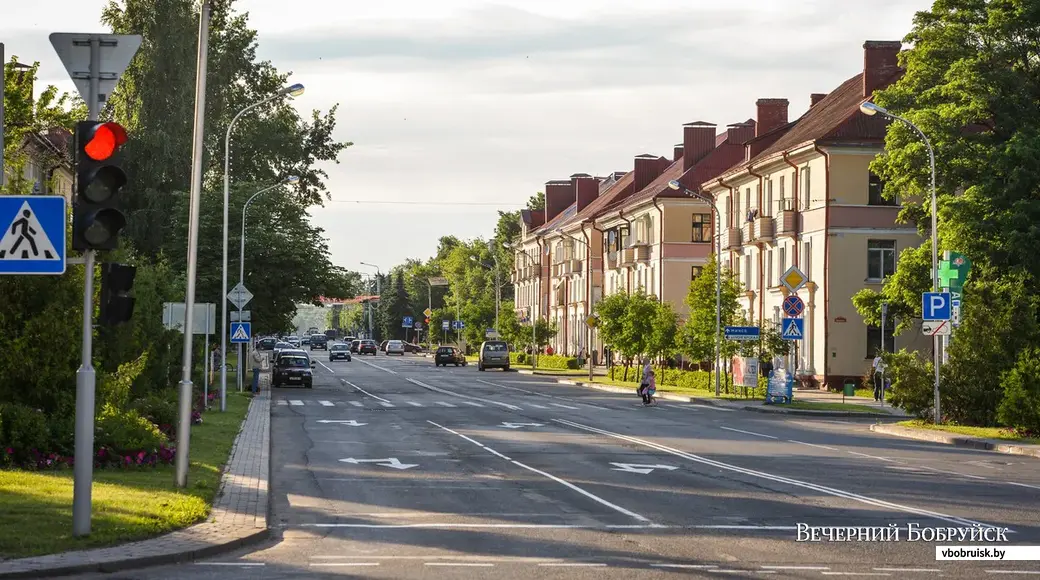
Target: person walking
x,y
648,386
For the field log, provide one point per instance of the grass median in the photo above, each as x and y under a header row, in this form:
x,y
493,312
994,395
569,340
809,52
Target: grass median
x,y
128,505
850,407
998,433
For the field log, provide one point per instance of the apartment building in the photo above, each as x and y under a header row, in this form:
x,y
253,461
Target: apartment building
x,y
804,196
48,164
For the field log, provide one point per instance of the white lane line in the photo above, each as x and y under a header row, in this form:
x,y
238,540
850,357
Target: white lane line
x,y
748,432
489,526
346,382
296,402
326,368
543,395
377,366
573,564
872,456
326,403
385,404
951,473
471,564
780,479
712,407
357,403
472,404
1022,485
907,570
567,484
461,396
1023,572
796,567
443,404
685,566
342,564
230,564
414,404
814,445
538,406
855,573
283,402
563,406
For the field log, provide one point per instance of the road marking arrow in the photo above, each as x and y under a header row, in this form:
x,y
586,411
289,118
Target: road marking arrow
x,y
351,422
640,468
519,425
388,462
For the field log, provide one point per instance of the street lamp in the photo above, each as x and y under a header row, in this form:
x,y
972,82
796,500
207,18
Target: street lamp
x,y
870,109
674,184
293,91
242,262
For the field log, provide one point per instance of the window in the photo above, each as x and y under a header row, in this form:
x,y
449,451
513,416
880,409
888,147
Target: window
x,y
781,187
729,210
875,187
806,190
695,272
700,228
881,259
747,271
807,270
769,269
747,202
781,261
768,209
874,340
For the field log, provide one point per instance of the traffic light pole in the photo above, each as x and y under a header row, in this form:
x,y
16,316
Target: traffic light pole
x,y
86,379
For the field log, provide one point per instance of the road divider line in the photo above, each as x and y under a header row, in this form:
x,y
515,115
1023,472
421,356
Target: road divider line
x,y
814,445
712,407
283,402
483,526
443,404
230,564
907,570
342,564
748,432
871,456
326,367
373,365
796,567
1022,485
537,394
563,406
778,478
386,404
414,404
461,396
471,564
573,564
685,566
381,399
562,482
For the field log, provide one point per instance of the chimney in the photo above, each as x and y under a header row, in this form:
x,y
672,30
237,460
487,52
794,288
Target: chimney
x,y
880,62
647,169
559,195
677,152
586,189
816,98
772,113
740,133
698,141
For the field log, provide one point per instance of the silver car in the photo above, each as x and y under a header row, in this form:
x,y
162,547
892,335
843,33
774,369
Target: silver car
x,y
494,354
395,347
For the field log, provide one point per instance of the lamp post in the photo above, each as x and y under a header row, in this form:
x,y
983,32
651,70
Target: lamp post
x,y
242,263
674,184
294,91
868,108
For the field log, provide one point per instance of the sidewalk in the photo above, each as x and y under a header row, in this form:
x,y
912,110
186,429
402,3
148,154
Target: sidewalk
x,y
239,515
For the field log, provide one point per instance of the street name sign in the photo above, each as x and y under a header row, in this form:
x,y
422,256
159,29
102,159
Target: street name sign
x,y
742,333
33,239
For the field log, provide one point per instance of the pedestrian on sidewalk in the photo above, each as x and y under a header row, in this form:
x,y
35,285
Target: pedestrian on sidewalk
x,y
876,372
648,386
258,360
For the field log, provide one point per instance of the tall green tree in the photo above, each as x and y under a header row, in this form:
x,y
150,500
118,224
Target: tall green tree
x,y
697,336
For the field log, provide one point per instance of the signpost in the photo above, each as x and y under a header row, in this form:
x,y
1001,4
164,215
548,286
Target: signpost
x,y
406,322
742,333
241,332
239,296
792,329
794,279
33,239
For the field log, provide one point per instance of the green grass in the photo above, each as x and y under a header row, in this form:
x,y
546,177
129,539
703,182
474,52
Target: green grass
x,y
999,433
735,394
128,505
811,406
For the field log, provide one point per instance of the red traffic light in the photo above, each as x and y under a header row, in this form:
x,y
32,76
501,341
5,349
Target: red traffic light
x,y
104,141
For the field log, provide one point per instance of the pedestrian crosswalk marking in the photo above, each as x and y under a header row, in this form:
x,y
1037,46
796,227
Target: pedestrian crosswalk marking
x,y
357,404
443,404
295,402
283,402
25,238
326,403
792,332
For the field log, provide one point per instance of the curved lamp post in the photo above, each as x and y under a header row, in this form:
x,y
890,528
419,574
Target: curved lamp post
x,y
674,184
293,91
868,108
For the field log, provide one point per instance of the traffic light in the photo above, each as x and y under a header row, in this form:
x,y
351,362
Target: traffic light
x,y
116,282
96,220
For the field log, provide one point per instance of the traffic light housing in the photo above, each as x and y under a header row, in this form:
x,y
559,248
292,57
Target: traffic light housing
x,y
117,280
96,218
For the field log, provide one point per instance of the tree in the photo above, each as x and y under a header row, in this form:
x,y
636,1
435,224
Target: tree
x,y
394,304
697,336
637,325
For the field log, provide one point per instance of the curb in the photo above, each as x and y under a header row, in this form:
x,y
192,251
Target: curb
x,y
812,413
956,440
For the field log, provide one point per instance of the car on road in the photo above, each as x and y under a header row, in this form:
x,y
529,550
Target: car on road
x,y
305,340
355,346
293,370
291,352
339,351
294,340
319,341
394,347
449,355
266,343
382,346
282,345
368,347
412,347
493,354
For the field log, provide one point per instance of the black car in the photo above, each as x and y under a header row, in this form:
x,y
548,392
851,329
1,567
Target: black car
x,y
319,341
368,347
266,343
339,351
293,370
449,355
355,345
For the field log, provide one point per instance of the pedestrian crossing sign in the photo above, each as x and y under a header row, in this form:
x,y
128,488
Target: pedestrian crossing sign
x,y
240,332
793,329
33,239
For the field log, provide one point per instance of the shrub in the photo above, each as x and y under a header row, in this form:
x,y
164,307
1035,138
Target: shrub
x,y
157,408
556,361
912,382
518,358
25,430
1020,408
127,431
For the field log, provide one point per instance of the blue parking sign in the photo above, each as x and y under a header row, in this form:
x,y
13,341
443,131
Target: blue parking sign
x,y
936,306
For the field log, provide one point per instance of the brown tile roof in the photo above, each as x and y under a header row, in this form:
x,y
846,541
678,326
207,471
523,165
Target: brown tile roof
x,y
619,191
658,187
559,220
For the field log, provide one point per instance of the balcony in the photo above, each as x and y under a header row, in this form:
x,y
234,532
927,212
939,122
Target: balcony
x,y
565,268
642,252
731,238
787,218
577,266
763,229
612,260
628,256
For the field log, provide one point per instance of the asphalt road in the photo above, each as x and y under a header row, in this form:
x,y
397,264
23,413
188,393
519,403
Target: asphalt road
x,y
392,468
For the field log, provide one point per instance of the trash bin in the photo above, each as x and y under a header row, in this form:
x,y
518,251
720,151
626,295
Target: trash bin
x,y
850,389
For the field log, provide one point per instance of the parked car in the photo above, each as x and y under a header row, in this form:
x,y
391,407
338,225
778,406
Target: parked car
x,y
355,346
266,343
368,347
319,341
493,354
339,351
282,345
448,355
291,352
412,347
395,347
382,346
293,370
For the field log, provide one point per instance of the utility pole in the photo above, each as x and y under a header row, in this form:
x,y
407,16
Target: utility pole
x,y
3,83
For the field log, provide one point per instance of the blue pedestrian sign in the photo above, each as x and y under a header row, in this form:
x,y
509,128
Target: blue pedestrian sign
x,y
742,333
793,306
33,239
936,306
792,329
406,322
240,332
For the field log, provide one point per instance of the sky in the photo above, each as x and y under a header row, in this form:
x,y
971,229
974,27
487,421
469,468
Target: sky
x,y
459,108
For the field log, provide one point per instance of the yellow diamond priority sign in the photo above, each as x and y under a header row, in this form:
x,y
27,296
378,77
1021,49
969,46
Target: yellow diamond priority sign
x,y
592,321
427,312
793,279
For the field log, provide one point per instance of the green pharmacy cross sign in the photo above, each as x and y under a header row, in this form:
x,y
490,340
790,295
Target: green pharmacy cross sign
x,y
953,271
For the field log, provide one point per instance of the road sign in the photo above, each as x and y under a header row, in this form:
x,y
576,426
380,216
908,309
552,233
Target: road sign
x,y
592,321
241,316
640,468
33,240
457,325
406,322
438,281
936,327
116,52
936,306
239,295
793,306
793,329
240,332
417,325
445,324
742,333
388,462
427,312
794,279
204,314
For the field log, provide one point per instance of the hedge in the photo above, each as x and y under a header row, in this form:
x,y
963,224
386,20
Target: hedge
x,y
701,380
556,361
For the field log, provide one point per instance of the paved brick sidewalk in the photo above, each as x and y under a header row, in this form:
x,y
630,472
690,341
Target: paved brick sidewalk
x,y
239,515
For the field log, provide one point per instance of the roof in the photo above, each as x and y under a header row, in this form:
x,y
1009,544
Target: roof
x,y
557,221
659,187
620,190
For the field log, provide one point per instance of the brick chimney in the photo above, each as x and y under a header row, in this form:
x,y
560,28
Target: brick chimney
x,y
880,62
586,189
772,113
677,151
739,133
698,141
816,98
559,195
648,168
